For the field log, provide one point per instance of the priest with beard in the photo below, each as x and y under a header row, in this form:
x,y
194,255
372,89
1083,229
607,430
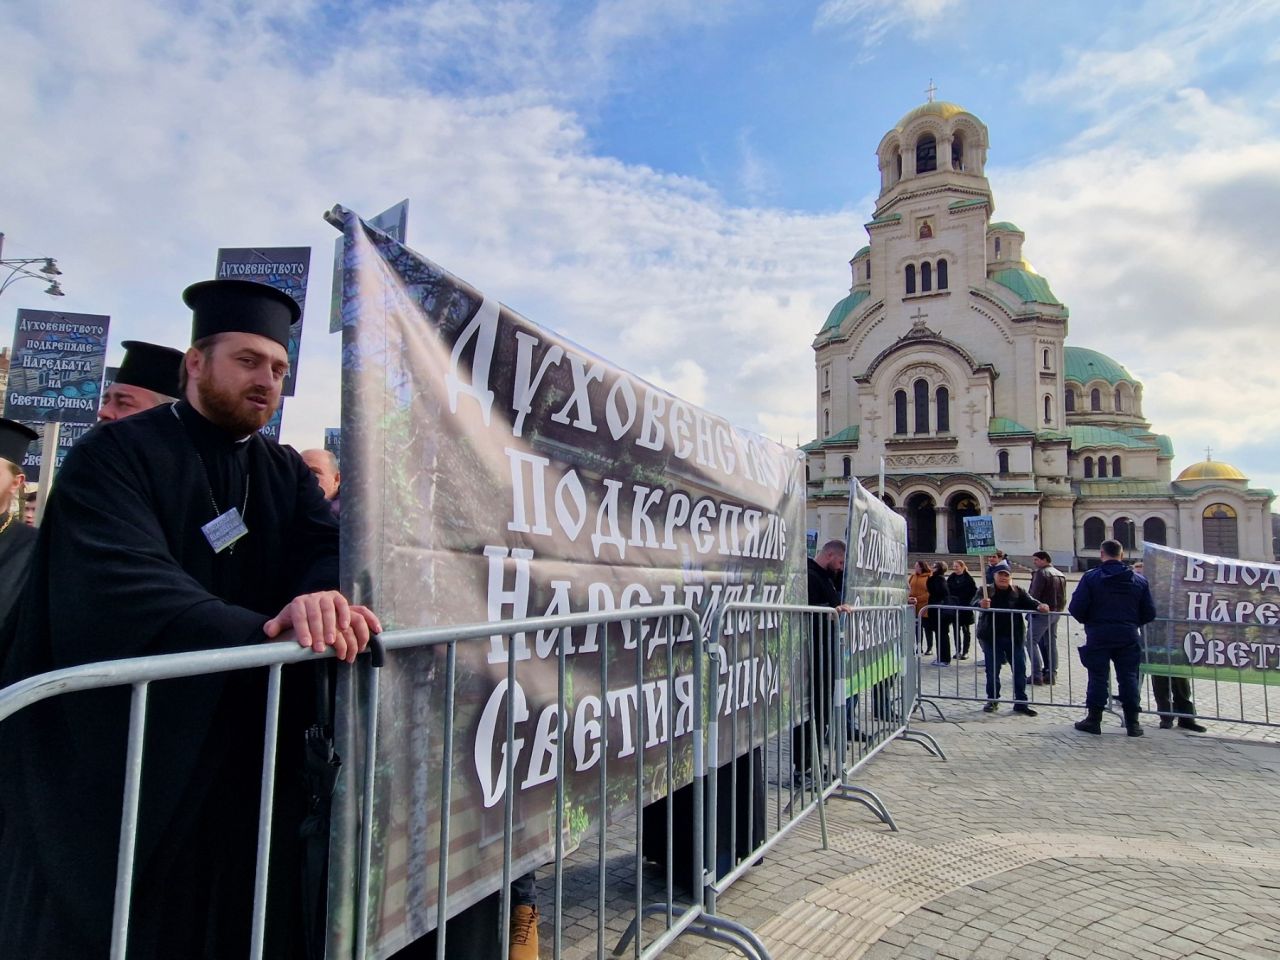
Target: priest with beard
x,y
176,529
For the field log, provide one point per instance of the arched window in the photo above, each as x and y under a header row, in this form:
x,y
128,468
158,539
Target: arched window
x,y
920,389
806,473
1123,530
1102,467
897,166
1071,400
911,278
1153,531
1046,359
1221,531
942,399
1088,468
1115,465
1003,460
926,277
997,248
1048,408
1095,531
926,154
942,274
868,268
1119,407
957,159
826,423
1095,399
847,465
900,412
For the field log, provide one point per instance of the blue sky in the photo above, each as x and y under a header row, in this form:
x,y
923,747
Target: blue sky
x,y
676,184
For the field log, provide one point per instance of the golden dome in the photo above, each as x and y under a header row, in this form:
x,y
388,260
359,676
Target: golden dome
x,y
934,108
1211,470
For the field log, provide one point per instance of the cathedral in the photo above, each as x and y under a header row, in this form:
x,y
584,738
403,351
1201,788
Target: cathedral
x,y
949,360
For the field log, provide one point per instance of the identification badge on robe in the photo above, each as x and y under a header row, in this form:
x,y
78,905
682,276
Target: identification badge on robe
x,y
223,531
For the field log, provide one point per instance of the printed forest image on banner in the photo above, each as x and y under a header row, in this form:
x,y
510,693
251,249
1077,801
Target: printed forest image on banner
x,y
495,470
1217,617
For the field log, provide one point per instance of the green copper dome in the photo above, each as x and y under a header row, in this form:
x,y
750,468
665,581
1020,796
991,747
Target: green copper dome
x,y
1027,284
1085,365
842,310
1006,226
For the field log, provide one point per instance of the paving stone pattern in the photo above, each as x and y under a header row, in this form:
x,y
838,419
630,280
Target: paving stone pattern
x,y
1031,841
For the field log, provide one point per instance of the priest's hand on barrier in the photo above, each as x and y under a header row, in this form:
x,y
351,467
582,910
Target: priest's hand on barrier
x,y
326,619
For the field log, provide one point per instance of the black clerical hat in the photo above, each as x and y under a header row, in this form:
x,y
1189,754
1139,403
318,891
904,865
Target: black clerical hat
x,y
240,306
14,437
150,366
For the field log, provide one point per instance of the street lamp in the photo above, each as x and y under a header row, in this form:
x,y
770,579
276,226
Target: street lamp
x,y
24,268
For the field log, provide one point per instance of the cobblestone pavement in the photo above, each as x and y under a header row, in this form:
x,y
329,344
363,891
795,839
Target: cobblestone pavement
x,y
1031,841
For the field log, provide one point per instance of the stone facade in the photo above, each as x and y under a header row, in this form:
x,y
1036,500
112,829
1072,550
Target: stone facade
x,y
948,359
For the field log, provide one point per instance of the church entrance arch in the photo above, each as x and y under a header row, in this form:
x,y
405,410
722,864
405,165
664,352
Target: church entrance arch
x,y
922,524
961,505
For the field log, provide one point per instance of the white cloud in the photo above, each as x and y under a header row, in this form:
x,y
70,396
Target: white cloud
x,y
158,148
876,18
1163,251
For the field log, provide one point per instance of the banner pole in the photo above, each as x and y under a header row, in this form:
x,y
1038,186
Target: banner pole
x,y
48,464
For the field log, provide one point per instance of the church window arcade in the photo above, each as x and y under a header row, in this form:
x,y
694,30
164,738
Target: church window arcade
x,y
1070,398
847,468
1119,408
928,273
1115,466
1095,399
926,154
920,391
1003,461
1088,468
1095,531
957,152
900,412
942,402
1102,468
1048,408
1219,525
1154,531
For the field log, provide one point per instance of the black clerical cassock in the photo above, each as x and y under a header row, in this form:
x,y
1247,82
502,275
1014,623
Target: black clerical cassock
x,y
122,569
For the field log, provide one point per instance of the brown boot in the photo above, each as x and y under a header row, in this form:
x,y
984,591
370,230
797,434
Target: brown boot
x,y
524,932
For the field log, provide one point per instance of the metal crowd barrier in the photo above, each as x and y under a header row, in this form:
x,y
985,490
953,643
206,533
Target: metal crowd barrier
x,y
851,680
865,658
1055,677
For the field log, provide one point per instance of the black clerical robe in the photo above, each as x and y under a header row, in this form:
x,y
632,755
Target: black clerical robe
x,y
17,544
122,569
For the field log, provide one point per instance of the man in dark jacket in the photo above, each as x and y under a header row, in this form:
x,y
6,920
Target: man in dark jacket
x,y
823,569
1112,603
1002,638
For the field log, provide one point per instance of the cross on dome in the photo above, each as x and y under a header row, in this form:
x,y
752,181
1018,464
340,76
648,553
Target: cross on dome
x,y
930,90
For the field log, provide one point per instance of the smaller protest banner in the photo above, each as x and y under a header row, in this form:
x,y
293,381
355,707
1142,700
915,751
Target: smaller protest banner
x,y
1216,617
333,441
285,268
272,428
979,536
875,575
55,370
33,461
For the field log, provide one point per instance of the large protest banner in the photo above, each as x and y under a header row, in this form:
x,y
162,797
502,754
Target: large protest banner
x,y
492,470
285,268
1217,618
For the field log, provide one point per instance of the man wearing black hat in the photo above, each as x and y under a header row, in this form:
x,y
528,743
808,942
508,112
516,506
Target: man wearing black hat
x,y
148,377
17,540
179,528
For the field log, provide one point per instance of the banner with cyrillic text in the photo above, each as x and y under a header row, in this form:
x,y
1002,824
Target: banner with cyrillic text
x,y
285,268
875,575
1217,617
55,370
493,469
